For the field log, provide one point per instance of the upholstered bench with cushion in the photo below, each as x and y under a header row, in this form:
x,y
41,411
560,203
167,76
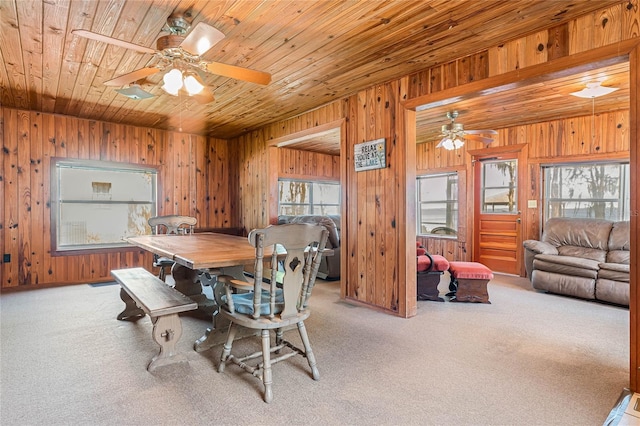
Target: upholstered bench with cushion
x,y
470,280
430,267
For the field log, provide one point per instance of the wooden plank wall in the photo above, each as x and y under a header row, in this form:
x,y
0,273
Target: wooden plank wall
x,y
375,112
373,224
297,164
258,167
193,180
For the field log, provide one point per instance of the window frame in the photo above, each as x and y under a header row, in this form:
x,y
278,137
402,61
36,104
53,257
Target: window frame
x,y
625,185
57,163
311,204
419,203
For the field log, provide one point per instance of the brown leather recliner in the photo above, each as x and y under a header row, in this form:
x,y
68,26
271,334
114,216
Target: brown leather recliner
x,y
586,258
330,265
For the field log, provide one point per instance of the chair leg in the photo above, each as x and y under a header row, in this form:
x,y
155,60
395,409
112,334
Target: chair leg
x,y
311,358
279,335
266,367
162,274
231,334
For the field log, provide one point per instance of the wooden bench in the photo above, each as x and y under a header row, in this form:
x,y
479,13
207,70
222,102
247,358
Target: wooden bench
x,y
144,293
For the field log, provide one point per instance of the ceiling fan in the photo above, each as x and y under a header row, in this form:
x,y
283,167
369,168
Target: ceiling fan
x,y
454,134
181,55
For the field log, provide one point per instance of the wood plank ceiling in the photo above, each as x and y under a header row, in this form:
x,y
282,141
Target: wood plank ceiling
x,y
316,52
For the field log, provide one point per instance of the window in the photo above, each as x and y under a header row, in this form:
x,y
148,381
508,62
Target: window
x,y
98,204
304,197
438,205
595,190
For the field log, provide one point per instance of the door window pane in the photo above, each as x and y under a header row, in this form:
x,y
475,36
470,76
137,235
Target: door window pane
x,y
499,192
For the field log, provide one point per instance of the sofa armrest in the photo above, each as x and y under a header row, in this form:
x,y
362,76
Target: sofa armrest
x,y
539,247
533,247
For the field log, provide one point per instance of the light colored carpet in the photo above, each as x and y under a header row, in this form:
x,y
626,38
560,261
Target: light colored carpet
x,y
526,359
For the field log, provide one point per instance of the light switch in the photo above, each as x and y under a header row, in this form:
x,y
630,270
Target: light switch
x,y
532,204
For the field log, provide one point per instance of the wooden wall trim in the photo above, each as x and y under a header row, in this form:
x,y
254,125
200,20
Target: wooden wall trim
x,y
312,132
407,211
634,155
611,156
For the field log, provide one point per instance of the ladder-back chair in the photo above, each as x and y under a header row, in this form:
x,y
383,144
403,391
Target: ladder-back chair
x,y
170,224
280,303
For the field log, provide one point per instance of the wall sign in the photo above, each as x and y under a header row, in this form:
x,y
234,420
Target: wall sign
x,y
370,155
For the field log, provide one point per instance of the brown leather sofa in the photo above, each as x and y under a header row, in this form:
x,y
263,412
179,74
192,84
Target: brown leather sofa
x,y
330,267
586,258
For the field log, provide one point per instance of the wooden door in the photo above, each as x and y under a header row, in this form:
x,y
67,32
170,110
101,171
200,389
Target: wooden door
x,y
497,222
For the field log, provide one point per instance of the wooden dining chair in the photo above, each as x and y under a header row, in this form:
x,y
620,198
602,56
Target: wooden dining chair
x,y
278,304
170,224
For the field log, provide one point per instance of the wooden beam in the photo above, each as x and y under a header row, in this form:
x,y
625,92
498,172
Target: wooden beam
x,y
562,67
303,135
634,237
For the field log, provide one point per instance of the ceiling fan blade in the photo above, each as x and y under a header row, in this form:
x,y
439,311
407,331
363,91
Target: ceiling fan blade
x,y
204,97
132,76
111,40
201,38
481,132
239,73
479,138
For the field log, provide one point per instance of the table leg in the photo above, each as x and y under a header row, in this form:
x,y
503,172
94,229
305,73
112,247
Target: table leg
x,y
188,283
217,334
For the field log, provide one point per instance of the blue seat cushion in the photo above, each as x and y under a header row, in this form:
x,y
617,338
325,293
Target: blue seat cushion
x,y
243,303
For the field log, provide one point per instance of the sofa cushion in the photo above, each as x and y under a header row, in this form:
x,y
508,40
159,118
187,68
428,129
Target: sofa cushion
x,y
583,252
619,237
564,284
577,262
576,266
614,271
619,256
441,264
588,233
619,244
470,270
612,291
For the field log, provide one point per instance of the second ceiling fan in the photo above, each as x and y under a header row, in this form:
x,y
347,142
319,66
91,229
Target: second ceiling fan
x,y
454,134
181,56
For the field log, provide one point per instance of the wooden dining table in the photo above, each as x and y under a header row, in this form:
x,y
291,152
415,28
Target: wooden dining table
x,y
199,258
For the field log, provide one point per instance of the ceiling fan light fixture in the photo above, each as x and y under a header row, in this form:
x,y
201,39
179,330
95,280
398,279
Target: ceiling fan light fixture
x,y
172,82
192,84
446,143
594,90
135,92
